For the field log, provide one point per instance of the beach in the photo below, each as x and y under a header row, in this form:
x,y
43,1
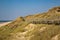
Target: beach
x,y
5,23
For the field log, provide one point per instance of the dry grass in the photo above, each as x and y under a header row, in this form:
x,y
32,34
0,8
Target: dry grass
x,y
23,29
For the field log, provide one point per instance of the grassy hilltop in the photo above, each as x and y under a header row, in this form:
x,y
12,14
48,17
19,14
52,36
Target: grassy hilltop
x,y
44,26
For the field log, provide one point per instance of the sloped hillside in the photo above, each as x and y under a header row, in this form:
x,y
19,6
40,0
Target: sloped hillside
x,y
45,26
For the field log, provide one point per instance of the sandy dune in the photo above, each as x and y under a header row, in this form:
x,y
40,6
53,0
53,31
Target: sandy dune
x,y
2,24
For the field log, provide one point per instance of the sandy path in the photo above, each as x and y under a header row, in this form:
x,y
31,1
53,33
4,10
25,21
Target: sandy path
x,y
2,24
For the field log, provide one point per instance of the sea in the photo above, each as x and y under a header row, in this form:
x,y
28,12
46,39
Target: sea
x,y
3,21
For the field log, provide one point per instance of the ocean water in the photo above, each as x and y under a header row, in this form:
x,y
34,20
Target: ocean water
x,y
3,21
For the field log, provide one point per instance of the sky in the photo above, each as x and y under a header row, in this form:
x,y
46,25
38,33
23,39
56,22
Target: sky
x,y
11,9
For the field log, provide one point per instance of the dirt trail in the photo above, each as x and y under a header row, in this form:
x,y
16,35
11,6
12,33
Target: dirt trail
x,y
2,24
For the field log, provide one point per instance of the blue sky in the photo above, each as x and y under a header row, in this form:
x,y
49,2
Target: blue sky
x,y
11,9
